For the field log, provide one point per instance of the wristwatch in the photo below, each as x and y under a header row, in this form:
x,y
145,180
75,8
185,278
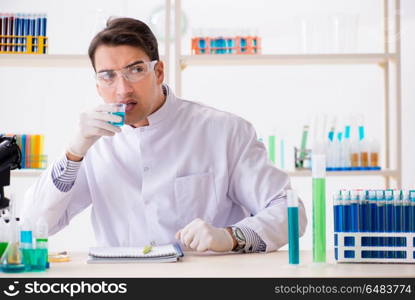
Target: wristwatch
x,y
240,238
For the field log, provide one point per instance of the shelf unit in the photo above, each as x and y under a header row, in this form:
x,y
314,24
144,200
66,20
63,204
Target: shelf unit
x,y
387,60
26,172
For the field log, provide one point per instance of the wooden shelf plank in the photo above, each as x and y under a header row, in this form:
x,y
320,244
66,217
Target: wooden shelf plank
x,y
285,59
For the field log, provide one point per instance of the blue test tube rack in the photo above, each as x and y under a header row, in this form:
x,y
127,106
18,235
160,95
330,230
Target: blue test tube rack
x,y
375,226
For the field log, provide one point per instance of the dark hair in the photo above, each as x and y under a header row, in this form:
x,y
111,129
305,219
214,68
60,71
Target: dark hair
x,y
125,31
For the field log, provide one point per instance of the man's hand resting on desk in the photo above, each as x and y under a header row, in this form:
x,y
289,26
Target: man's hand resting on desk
x,y
201,236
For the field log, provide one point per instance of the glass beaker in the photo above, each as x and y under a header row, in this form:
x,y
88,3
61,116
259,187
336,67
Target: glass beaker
x,y
119,111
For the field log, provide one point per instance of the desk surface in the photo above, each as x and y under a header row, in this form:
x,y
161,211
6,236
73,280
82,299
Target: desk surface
x,y
274,264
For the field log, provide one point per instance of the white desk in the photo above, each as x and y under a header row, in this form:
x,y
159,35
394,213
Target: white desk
x,y
193,264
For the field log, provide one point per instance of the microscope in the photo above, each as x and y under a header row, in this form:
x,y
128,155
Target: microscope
x,y
10,158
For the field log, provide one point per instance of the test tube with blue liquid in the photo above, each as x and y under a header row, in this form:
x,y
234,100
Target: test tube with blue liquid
x,y
354,211
26,243
372,215
389,220
119,111
412,214
406,212
397,216
293,228
337,205
380,214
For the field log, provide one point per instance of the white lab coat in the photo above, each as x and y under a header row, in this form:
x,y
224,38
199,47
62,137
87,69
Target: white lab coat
x,y
192,161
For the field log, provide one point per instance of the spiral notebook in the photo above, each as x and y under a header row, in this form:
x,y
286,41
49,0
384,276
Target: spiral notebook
x,y
164,253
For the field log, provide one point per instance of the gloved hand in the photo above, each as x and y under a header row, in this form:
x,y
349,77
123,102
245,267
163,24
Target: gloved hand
x,y
201,236
92,125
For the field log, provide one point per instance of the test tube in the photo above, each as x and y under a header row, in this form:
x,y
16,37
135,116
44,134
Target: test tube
x,y
362,211
374,155
319,205
389,218
41,245
337,205
412,215
397,224
380,213
354,211
346,211
293,228
271,148
406,211
119,111
373,220
364,155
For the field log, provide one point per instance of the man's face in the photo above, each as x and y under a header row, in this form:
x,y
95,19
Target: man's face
x,y
142,97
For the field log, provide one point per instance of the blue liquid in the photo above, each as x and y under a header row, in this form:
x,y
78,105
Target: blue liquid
x,y
412,219
347,217
11,268
381,227
354,213
293,236
406,218
122,115
389,222
397,212
28,258
336,210
362,217
40,259
373,221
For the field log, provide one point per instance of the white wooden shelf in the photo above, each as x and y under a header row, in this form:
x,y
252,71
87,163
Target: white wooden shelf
x,y
386,172
284,59
26,172
45,60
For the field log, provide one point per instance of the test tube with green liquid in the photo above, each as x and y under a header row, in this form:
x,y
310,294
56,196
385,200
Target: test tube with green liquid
x,y
319,207
293,228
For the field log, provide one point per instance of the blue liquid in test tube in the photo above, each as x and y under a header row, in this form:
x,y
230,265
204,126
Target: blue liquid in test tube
x,y
362,211
347,212
354,211
406,212
412,215
380,202
337,202
397,213
293,228
389,219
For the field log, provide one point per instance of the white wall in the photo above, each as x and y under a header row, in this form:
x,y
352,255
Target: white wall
x,y
48,100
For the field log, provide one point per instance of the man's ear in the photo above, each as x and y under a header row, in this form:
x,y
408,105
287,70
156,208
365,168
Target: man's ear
x,y
159,71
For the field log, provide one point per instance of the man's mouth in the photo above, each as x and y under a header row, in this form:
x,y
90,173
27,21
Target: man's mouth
x,y
130,105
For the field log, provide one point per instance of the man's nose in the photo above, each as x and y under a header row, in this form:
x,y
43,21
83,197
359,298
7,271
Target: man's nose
x,y
122,86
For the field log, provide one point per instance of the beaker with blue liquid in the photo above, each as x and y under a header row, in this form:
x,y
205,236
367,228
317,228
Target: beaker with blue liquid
x,y
119,111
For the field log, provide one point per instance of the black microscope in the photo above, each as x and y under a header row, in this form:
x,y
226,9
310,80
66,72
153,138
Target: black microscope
x,y
10,158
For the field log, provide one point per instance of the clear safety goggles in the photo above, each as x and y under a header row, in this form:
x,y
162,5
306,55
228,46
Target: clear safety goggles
x,y
131,73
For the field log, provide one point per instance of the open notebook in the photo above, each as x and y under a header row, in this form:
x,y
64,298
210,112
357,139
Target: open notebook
x,y
165,253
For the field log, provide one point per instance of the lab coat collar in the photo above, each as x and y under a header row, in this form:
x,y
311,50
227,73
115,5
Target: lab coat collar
x,y
160,116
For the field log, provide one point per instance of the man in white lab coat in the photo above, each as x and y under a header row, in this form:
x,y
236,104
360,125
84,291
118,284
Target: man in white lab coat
x,y
177,170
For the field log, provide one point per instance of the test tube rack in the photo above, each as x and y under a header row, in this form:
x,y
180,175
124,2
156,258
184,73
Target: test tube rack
x,y
16,44
349,247
226,45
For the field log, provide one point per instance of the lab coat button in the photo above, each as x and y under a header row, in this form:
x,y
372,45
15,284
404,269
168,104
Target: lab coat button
x,y
146,169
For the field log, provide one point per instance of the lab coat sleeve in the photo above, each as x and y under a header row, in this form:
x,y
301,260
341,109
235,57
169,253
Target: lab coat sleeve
x,y
43,198
260,187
